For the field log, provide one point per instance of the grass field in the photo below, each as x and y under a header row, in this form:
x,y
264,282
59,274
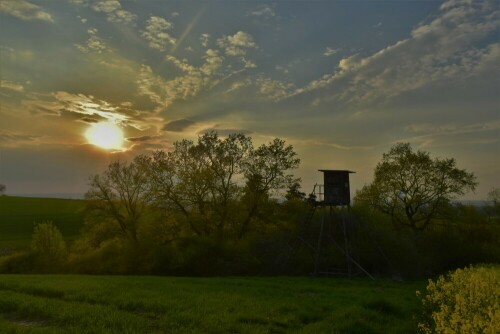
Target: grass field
x,y
117,304
19,214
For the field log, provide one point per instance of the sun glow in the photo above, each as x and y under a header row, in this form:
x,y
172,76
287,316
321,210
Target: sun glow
x,y
105,135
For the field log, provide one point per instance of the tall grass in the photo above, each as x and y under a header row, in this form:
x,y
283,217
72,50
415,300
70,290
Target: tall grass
x,y
117,304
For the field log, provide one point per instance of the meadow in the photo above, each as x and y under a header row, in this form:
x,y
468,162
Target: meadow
x,y
18,215
134,304
149,304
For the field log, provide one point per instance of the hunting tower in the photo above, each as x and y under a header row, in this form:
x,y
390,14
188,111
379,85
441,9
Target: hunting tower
x,y
336,190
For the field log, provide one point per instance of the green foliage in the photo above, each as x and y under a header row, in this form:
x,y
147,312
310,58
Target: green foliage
x,y
131,304
414,189
465,301
217,186
493,205
48,247
121,195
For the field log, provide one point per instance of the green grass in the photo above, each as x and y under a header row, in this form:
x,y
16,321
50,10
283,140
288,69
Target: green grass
x,y
117,304
19,214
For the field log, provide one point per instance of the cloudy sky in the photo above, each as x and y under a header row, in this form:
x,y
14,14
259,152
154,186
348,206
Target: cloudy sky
x,y
340,81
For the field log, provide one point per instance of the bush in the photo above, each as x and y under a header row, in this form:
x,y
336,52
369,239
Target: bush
x,y
48,247
17,263
465,301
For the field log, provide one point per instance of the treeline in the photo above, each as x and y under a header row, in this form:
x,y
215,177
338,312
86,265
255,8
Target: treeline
x,y
221,206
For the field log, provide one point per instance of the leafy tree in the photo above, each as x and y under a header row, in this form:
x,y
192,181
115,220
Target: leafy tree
x,y
121,195
48,245
2,189
267,172
413,188
215,185
493,204
294,193
219,184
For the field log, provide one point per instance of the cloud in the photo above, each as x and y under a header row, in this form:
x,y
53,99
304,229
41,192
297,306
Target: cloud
x,y
142,139
273,90
237,44
178,125
263,12
225,132
12,139
212,62
89,120
437,51
427,134
193,80
156,33
106,6
330,51
94,43
88,105
114,12
204,38
24,10
10,85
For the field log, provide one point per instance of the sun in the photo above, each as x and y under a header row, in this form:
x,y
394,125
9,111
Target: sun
x,y
105,135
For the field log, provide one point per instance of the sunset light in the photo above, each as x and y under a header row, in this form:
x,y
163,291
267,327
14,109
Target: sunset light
x,y
105,135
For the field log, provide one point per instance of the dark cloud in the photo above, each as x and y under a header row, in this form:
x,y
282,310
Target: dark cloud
x,y
142,138
226,132
10,138
178,125
89,120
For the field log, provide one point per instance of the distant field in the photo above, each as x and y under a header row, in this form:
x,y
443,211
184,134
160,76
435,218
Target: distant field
x,y
118,304
19,214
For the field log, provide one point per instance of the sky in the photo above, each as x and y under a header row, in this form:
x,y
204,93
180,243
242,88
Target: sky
x,y
341,81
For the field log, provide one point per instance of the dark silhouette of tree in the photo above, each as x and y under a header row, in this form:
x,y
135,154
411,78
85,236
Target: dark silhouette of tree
x,y
121,195
216,185
2,189
413,188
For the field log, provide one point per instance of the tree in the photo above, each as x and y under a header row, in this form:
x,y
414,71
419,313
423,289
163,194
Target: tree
x,y
492,206
121,195
219,184
413,188
2,189
267,172
215,185
48,246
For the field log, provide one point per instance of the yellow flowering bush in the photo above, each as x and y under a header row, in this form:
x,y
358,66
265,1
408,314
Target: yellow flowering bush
x,y
464,301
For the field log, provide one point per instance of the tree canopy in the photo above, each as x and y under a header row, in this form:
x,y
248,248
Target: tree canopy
x,y
216,185
413,188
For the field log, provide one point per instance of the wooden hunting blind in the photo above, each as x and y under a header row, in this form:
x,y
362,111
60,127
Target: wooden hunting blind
x,y
336,187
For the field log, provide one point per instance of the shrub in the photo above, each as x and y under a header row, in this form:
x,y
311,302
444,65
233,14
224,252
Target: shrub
x,y
17,263
48,247
465,301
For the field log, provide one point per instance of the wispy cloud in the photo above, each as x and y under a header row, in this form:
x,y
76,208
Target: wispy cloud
x,y
438,50
24,10
93,44
237,44
114,12
10,85
329,51
194,79
13,139
156,33
263,11
204,38
178,125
